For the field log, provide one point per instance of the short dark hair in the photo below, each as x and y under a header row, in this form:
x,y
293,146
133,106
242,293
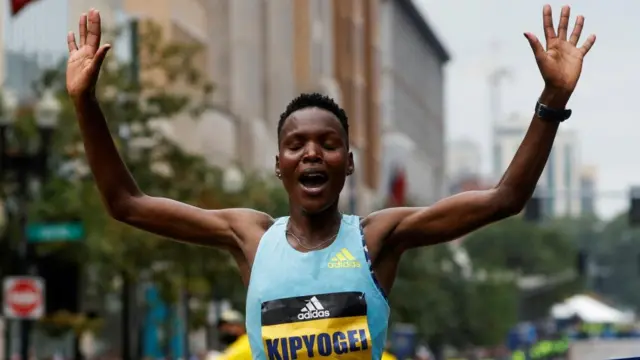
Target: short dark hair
x,y
308,100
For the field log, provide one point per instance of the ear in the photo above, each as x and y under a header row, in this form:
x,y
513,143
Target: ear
x,y
277,168
350,164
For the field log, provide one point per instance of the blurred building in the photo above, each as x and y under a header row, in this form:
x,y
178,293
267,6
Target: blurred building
x,y
22,71
110,11
463,158
412,101
559,185
588,190
260,55
463,166
356,54
3,15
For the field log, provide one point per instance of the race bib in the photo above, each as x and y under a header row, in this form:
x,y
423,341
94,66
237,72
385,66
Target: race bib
x,y
326,325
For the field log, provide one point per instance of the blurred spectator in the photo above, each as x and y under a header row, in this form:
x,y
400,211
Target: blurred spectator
x,y
233,336
608,332
423,353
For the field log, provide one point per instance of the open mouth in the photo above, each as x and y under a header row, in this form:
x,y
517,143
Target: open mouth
x,y
313,179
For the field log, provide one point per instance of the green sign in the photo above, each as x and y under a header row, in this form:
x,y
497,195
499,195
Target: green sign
x,y
54,232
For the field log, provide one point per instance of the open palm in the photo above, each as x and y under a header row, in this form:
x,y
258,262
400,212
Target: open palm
x,y
86,57
561,63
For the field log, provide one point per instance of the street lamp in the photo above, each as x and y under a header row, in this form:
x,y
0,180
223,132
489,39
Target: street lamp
x,y
25,165
8,106
47,111
233,180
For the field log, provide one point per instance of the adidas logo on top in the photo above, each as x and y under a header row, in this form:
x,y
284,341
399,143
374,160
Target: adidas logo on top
x,y
343,259
313,310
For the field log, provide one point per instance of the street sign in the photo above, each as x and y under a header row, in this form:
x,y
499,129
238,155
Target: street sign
x,y
54,232
24,297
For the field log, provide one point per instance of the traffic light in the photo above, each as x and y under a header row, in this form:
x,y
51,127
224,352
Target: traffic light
x,y
62,279
582,262
634,208
533,209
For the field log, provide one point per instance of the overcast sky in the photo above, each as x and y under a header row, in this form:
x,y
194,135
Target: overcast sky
x,y
604,108
605,111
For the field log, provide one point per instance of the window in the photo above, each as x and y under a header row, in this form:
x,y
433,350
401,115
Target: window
x,y
568,175
327,43
551,184
497,159
317,38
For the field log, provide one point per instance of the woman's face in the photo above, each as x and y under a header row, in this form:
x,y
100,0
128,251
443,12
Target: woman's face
x,y
314,159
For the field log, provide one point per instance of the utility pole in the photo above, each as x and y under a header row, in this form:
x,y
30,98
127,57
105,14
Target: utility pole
x,y
497,75
127,284
21,166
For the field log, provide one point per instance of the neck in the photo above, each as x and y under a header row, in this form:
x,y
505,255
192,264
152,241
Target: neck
x,y
315,227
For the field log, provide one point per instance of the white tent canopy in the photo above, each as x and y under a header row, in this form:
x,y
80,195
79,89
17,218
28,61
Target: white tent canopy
x,y
590,310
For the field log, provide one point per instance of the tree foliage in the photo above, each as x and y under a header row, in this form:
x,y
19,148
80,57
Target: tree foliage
x,y
450,307
137,109
616,252
523,247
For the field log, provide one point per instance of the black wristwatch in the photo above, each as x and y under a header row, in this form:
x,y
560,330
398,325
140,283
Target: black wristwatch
x,y
548,114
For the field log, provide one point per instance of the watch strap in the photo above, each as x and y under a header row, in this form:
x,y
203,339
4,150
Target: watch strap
x,y
549,114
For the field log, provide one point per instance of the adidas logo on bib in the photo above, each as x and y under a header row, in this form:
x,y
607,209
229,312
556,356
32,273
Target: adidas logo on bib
x,y
343,260
313,310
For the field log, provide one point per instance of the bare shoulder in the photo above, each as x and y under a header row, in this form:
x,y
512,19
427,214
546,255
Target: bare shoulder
x,y
379,225
247,223
386,218
248,226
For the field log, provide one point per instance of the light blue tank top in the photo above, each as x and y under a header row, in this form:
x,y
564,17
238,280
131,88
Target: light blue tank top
x,y
320,304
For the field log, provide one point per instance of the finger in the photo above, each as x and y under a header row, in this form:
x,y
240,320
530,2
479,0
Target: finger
x,y
95,31
588,44
82,29
71,42
98,59
563,25
547,23
577,30
536,46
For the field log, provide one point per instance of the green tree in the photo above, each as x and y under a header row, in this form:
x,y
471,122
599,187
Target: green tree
x,y
617,252
170,87
521,246
518,248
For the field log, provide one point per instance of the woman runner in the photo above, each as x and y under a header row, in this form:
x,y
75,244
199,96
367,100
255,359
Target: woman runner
x,y
317,279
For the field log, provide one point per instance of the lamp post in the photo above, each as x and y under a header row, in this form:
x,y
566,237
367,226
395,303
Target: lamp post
x,y
21,166
232,180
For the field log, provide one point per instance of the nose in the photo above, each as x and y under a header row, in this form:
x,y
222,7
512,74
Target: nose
x,y
312,153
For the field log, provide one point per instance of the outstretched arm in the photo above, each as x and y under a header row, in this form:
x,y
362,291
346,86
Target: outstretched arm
x,y
560,65
120,193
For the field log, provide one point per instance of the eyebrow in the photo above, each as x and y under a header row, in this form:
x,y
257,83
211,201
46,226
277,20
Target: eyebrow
x,y
323,132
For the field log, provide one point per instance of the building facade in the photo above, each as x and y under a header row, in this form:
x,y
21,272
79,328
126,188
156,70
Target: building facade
x,y
412,101
356,69
588,190
260,55
463,160
4,22
560,184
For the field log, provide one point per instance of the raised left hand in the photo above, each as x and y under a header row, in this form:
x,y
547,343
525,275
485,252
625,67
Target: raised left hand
x,y
561,63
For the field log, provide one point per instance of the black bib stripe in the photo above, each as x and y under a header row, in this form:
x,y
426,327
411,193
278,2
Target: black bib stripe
x,y
308,308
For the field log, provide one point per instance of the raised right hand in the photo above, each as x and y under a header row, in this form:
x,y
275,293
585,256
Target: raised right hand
x,y
85,60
